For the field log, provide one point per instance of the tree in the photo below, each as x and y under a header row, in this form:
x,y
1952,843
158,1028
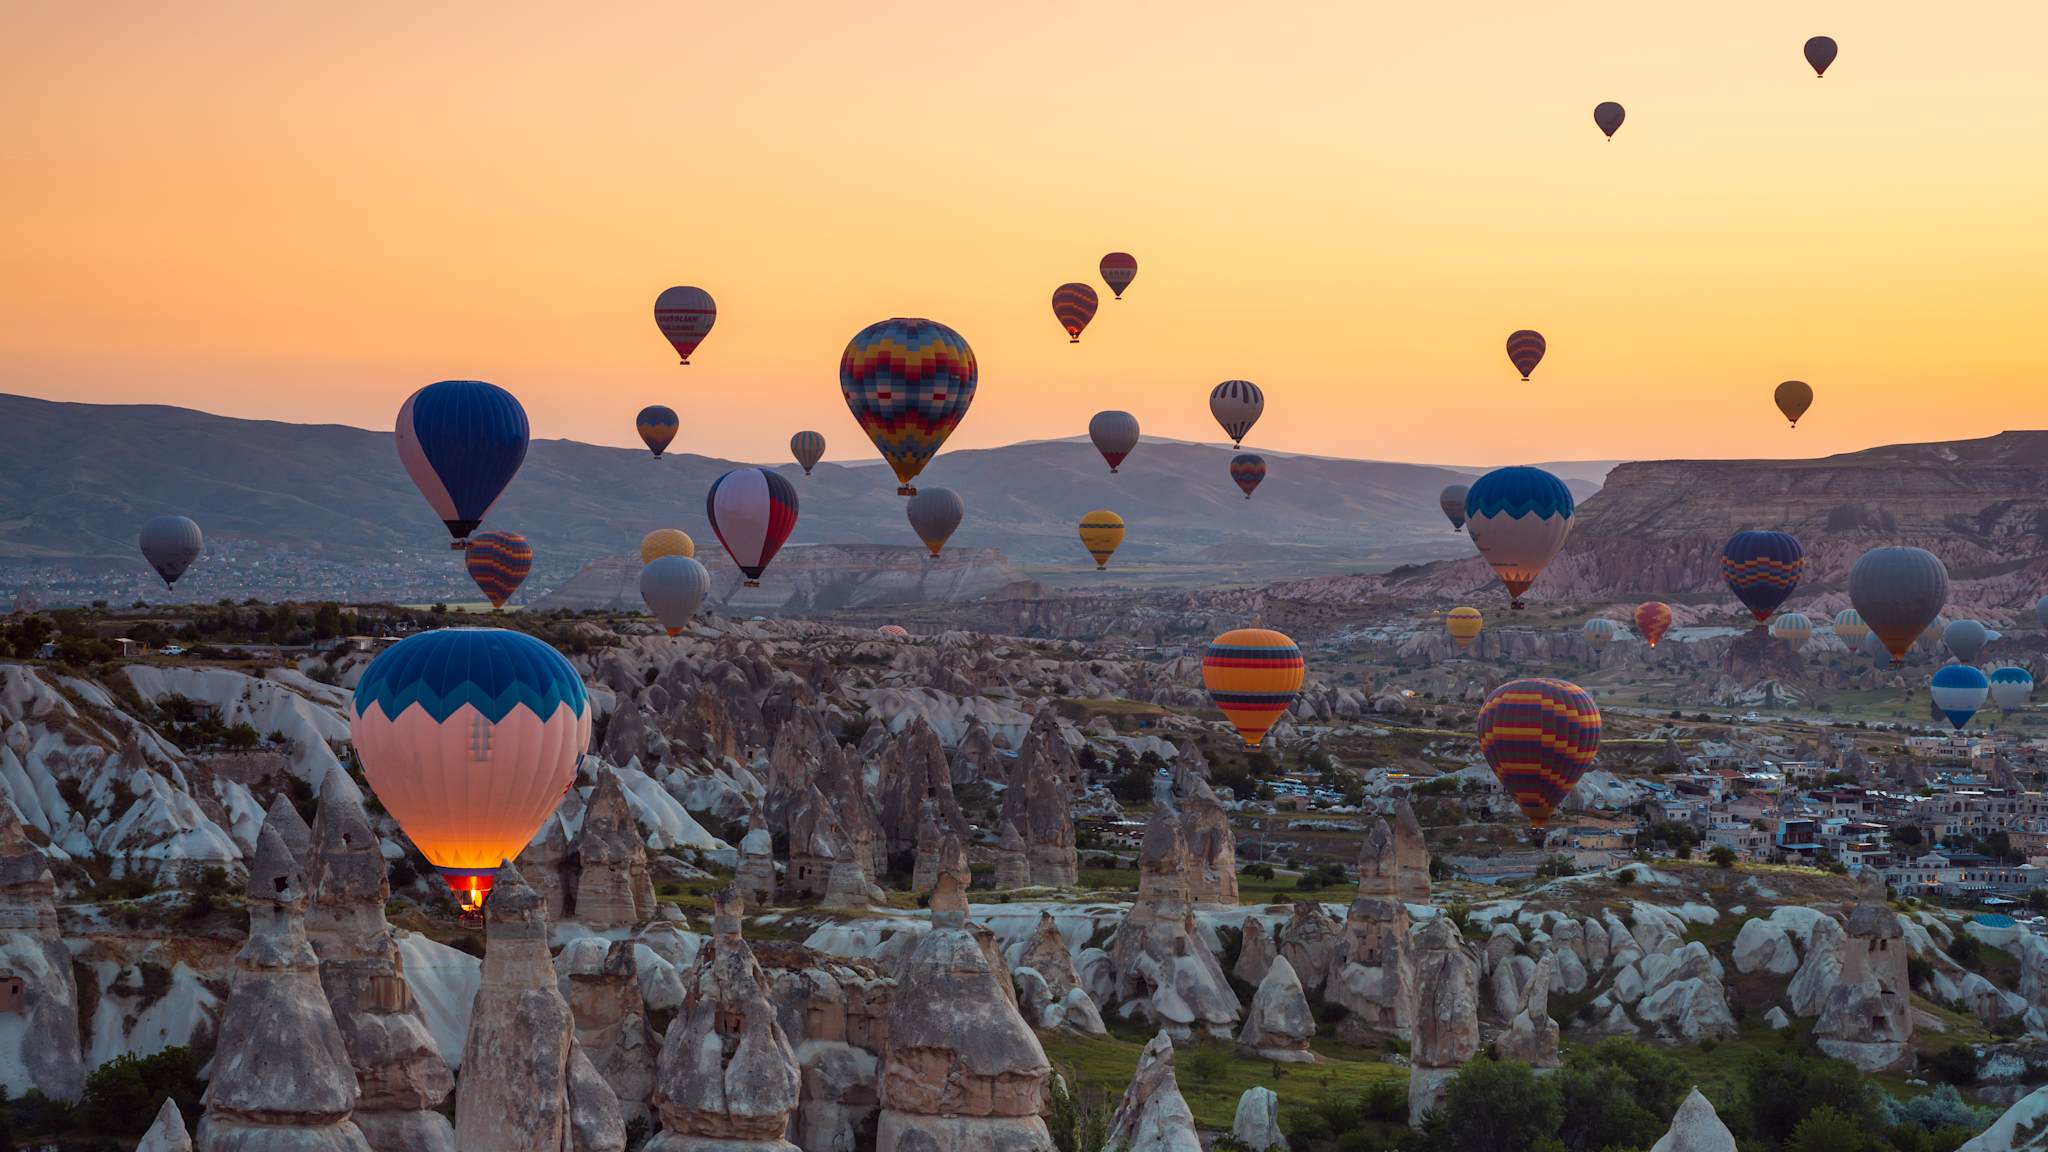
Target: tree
x,y
1825,1129
1722,855
242,737
1785,1086
124,1094
1493,1106
1133,785
1620,1093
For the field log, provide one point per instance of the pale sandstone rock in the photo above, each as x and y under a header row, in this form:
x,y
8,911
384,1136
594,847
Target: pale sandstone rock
x,y
45,1046
167,1132
1153,1116
1867,1018
1164,971
1446,1014
613,886
1695,1127
1257,1123
1310,940
1279,1024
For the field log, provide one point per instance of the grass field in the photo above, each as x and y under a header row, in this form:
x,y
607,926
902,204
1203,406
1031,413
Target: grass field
x,y
1250,889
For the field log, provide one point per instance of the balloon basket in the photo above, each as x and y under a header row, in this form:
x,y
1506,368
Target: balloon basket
x,y
453,546
750,583
905,490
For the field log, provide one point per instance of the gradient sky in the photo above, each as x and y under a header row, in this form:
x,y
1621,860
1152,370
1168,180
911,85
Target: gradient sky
x,y
306,212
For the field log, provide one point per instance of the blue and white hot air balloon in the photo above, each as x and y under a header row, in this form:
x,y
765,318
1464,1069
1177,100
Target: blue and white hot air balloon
x,y
1518,518
462,441
1959,690
2011,687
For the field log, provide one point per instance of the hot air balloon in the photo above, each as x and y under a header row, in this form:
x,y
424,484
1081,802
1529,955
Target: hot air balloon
x,y
469,737
1118,270
1653,619
2010,688
1452,501
1252,675
934,514
1793,628
1899,592
1958,690
1820,52
1880,656
1965,638
908,383
1793,398
2041,611
1073,305
666,542
808,448
1101,531
1115,434
461,441
1236,404
1518,518
893,630
171,544
498,562
685,316
1464,625
1609,115
1601,632
1850,627
657,425
673,588
753,511
1762,569
1526,347
1246,470
1539,735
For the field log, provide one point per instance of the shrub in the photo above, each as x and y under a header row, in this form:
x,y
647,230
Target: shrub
x,y
1206,1063
123,1095
1257,871
1493,1106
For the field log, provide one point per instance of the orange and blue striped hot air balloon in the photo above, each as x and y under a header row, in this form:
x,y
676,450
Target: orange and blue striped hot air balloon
x,y
1118,270
1247,469
908,382
1762,569
1252,675
657,425
498,562
1073,305
1526,349
1539,735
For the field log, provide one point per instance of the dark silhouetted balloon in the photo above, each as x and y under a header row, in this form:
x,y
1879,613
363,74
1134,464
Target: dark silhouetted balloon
x,y
685,316
1525,350
171,544
1115,434
657,425
1609,115
461,441
1118,270
498,562
934,514
1073,305
1820,52
1898,592
808,448
1793,397
1452,501
1247,469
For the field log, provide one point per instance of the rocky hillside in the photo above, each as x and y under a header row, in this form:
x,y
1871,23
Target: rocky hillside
x,y
814,578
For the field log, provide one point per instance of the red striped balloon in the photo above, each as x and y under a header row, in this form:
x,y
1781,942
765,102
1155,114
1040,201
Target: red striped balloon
x,y
1525,350
1653,617
1073,305
1539,735
1246,470
498,562
1118,270
753,511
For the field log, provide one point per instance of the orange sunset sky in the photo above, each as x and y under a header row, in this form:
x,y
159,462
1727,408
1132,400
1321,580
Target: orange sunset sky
x,y
305,212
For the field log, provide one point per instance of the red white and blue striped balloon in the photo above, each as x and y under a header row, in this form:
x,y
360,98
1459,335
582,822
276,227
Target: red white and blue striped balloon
x,y
461,441
753,511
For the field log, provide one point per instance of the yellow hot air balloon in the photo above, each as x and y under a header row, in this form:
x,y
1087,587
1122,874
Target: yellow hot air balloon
x,y
1252,675
666,542
1464,624
1101,531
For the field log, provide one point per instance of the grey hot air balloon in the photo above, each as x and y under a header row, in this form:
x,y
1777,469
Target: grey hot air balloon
x,y
934,514
808,448
1965,638
171,544
1898,592
1609,115
1115,434
674,588
1452,501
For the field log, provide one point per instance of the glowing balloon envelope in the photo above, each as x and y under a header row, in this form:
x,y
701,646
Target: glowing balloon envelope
x,y
1958,690
934,514
1539,735
1609,115
498,562
1118,270
1762,569
673,588
1464,625
1526,347
171,544
657,425
1236,405
666,542
461,441
1601,631
469,737
2010,688
685,316
1073,305
1252,675
1101,531
1518,518
1820,52
1966,638
1898,592
1247,470
1850,627
1653,619
753,511
1452,501
908,382
1793,628
1115,434
808,448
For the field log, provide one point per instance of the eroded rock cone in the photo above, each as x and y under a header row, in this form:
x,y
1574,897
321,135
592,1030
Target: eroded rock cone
x,y
1205,829
1446,1014
45,1045
1696,1127
1039,804
282,816
281,1075
1163,970
757,860
1153,1115
1279,1024
1373,972
167,1132
612,1028
1867,1018
613,887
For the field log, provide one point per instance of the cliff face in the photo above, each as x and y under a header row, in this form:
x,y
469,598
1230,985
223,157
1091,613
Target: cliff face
x,y
814,578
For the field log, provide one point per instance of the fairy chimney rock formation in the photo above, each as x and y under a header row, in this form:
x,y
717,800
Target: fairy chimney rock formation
x,y
1867,1018
613,886
167,1132
281,1076
1013,862
1153,1115
1696,1127
1163,970
612,1028
757,860
1039,803
1047,953
1411,856
526,1086
961,1071
1446,1014
1310,940
1373,972
916,781
1532,1035
938,850
397,1063
290,825
1255,951
1279,1024
43,1052
1205,828
729,1078
547,860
